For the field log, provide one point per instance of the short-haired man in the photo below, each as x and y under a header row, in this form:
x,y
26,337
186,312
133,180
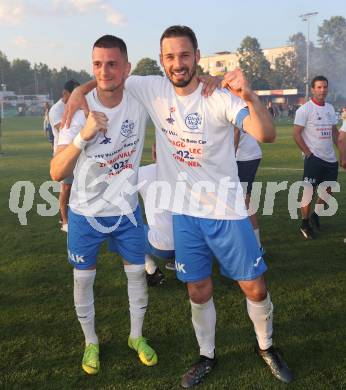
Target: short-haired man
x,y
314,132
55,115
104,152
196,160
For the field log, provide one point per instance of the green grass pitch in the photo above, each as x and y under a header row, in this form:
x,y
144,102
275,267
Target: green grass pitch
x,y
41,343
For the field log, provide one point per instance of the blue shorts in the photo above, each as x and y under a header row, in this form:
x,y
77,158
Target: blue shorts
x,y
151,250
232,242
84,240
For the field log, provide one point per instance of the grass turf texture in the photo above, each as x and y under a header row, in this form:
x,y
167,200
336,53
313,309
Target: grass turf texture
x,y
41,340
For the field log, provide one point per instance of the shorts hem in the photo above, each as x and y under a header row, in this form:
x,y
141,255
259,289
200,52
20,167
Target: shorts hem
x,y
193,280
126,258
245,278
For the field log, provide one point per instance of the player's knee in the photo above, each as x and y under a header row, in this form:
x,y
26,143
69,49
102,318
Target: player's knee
x,y
257,293
256,290
200,292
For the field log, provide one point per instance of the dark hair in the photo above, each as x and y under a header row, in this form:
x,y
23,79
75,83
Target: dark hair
x,y
110,42
71,85
180,31
318,78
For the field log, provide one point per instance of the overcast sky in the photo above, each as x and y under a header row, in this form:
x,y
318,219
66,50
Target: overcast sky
x,y
61,32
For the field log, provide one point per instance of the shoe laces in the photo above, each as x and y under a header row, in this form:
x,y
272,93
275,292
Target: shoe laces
x,y
143,346
276,356
91,353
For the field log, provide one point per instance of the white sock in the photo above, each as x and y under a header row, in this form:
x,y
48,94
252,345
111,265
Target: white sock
x,y
261,314
257,234
204,321
150,265
138,297
84,303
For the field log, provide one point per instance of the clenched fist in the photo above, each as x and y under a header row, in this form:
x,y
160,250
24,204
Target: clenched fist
x,y
96,121
236,83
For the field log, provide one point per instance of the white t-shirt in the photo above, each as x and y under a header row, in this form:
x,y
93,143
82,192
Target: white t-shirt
x,y
55,114
318,122
160,222
195,148
248,148
106,172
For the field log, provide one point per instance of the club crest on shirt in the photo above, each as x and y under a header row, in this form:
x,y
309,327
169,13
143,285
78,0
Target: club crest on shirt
x,y
127,128
170,119
193,121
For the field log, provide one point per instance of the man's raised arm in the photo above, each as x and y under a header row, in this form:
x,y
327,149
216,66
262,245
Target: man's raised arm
x,y
259,123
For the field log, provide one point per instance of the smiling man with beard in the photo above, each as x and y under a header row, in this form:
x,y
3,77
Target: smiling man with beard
x,y
196,159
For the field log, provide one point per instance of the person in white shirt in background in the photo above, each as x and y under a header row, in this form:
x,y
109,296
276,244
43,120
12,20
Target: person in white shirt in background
x,y
342,142
159,241
248,156
55,115
342,139
315,132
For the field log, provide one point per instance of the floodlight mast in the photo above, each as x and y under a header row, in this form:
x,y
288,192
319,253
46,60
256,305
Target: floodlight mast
x,y
306,18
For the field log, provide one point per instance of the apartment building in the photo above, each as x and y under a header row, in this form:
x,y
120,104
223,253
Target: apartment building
x,y
224,61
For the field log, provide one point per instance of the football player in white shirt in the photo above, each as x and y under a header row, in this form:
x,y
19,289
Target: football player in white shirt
x,y
55,115
342,139
159,240
315,132
342,142
248,156
196,159
104,152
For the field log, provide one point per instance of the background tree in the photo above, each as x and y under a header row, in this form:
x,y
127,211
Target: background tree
x,y
290,67
330,59
5,68
146,67
332,34
253,63
22,79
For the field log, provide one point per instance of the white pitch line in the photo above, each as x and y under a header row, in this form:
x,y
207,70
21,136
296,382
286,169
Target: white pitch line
x,y
290,169
281,168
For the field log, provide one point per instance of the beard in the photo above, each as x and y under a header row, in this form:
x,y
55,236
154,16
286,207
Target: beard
x,y
190,74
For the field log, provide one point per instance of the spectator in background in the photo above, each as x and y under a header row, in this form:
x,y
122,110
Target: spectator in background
x,y
271,109
47,128
315,132
55,115
342,139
